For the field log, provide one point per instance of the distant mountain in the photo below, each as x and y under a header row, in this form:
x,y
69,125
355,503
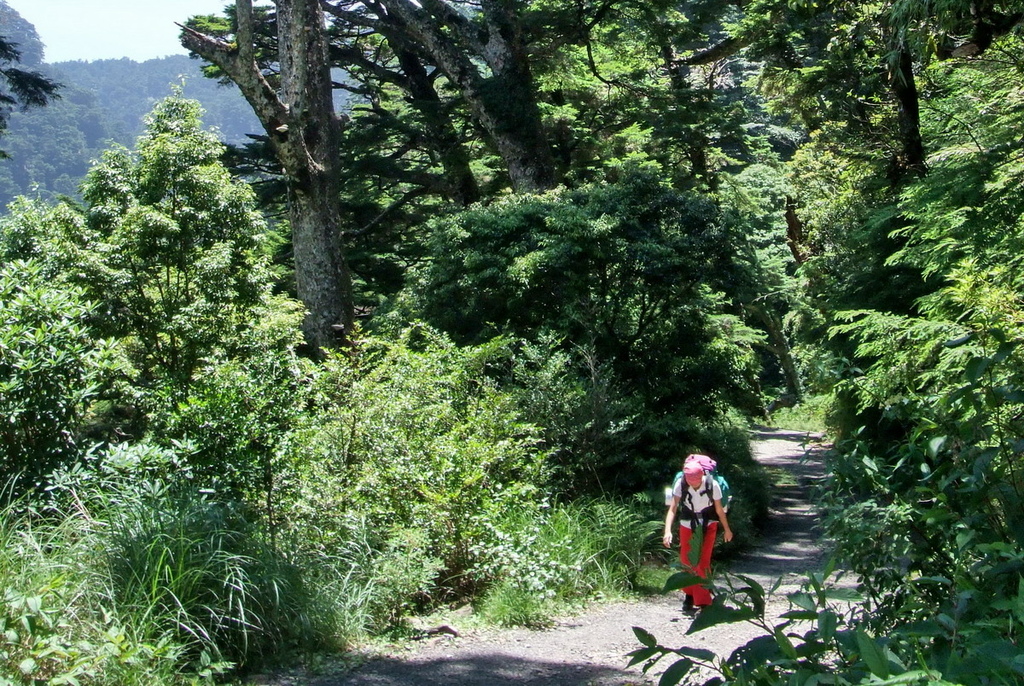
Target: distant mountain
x,y
102,103
128,90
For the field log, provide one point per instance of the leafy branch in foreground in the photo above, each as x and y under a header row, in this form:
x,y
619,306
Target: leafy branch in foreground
x,y
820,640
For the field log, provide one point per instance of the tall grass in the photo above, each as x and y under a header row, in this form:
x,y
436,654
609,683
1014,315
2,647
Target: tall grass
x,y
57,626
149,584
178,561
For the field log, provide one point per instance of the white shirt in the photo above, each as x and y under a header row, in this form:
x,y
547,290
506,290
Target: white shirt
x,y
697,497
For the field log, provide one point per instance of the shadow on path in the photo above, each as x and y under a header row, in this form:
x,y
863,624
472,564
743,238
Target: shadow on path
x,y
479,670
791,543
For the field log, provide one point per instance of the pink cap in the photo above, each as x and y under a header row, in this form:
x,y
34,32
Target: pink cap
x,y
692,469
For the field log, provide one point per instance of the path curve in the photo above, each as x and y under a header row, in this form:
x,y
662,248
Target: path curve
x,y
589,649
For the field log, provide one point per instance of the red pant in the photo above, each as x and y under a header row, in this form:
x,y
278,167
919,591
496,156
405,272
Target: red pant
x,y
701,595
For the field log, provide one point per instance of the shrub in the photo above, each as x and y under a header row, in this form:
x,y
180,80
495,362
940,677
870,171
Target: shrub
x,y
237,415
537,558
50,368
412,435
586,419
510,604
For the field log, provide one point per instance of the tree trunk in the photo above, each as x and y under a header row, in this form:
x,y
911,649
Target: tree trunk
x,y
507,101
303,131
779,346
795,233
904,88
324,283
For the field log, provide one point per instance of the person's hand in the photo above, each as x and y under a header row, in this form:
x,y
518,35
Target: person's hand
x,y
667,540
728,535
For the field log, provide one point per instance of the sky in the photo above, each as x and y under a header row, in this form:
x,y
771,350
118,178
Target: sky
x,y
103,29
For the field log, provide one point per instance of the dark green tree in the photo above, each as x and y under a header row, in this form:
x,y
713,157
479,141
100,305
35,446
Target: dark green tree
x,y
627,276
19,87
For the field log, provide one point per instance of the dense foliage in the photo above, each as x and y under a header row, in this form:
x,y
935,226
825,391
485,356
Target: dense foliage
x,y
226,494
584,240
923,497
626,278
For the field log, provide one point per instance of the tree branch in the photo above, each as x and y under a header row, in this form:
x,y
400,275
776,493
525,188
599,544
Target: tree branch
x,y
397,204
727,48
354,57
245,73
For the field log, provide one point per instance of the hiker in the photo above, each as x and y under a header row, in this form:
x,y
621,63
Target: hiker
x,y
697,497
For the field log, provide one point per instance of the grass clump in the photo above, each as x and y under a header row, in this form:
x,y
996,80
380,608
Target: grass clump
x,y
58,621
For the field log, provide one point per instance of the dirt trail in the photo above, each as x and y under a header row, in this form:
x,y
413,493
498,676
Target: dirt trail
x,y
590,648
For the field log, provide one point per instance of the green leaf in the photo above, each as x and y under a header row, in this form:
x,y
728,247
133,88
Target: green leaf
x,y
785,644
933,580
1010,394
957,342
828,622
925,628
873,655
755,592
642,655
27,666
1002,651
811,648
917,676
718,613
1005,350
805,601
676,673
976,367
681,580
699,653
756,652
645,637
843,594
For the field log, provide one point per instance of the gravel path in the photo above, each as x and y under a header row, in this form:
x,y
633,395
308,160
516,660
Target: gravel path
x,y
589,649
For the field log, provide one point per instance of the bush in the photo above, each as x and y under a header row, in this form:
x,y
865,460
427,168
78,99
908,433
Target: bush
x,y
413,436
238,414
538,559
177,565
586,419
50,368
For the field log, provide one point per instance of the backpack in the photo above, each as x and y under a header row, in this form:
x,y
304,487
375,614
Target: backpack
x,y
710,468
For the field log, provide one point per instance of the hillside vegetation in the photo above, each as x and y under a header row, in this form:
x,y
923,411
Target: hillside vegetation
x,y
569,246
